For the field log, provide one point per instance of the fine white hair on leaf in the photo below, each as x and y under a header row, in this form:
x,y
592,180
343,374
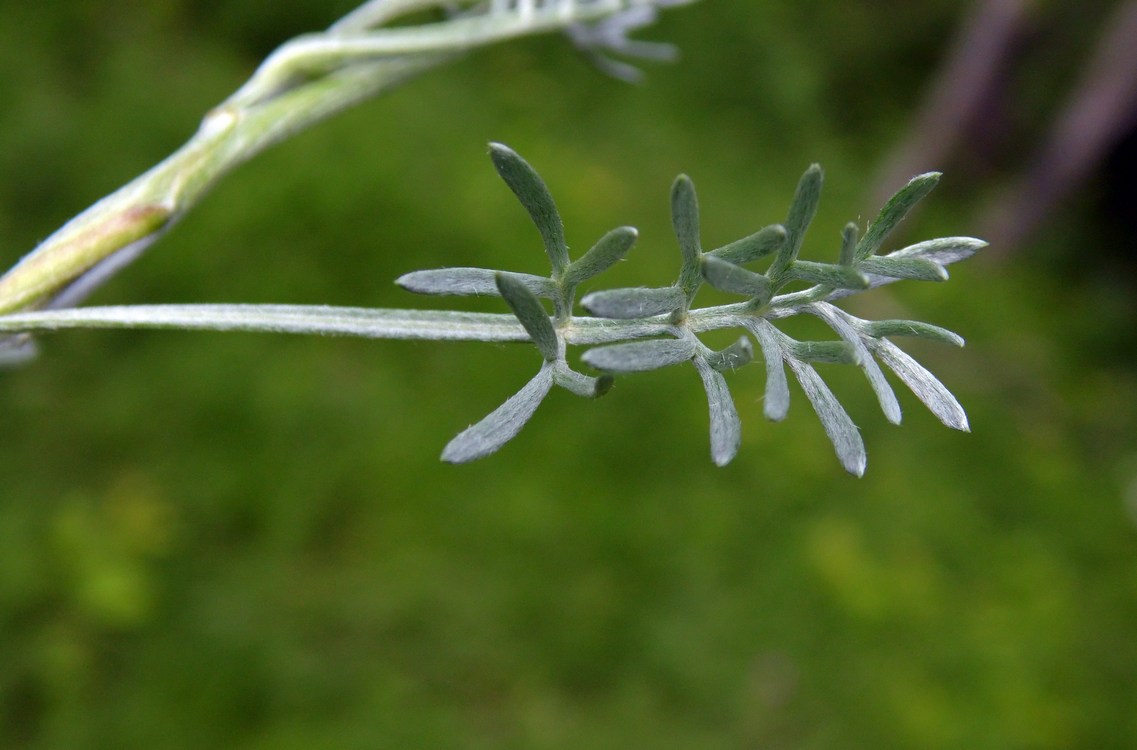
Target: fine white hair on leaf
x,y
842,432
502,424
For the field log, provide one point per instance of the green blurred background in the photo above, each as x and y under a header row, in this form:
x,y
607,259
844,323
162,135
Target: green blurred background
x,y
248,541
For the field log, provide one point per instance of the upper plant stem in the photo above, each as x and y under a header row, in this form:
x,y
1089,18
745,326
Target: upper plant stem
x,y
305,81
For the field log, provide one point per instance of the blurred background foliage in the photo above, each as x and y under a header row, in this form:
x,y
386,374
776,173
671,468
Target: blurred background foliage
x,y
243,541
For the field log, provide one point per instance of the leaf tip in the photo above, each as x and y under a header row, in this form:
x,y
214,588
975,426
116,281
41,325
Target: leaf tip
x,y
495,149
722,459
775,410
452,454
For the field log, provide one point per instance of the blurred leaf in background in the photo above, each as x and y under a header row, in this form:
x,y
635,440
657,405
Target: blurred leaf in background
x,y
248,541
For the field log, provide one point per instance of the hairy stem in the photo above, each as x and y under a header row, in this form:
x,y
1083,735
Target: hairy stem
x,y
435,325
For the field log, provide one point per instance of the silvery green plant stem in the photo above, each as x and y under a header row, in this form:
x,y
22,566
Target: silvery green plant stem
x,y
379,323
305,81
639,329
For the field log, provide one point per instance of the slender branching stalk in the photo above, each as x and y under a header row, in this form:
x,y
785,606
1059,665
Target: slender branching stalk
x,y
639,329
628,330
303,82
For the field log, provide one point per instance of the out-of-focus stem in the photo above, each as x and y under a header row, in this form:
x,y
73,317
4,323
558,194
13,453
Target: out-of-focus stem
x,y
305,81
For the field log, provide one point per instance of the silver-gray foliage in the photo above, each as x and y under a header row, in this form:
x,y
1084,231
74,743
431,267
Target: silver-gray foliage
x,y
630,330
862,343
640,329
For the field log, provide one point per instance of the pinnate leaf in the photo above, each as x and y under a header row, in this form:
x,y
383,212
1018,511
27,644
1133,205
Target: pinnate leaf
x,y
580,384
770,341
609,250
503,423
849,245
685,217
738,354
534,195
894,212
943,250
923,383
638,302
640,356
839,277
883,328
726,428
765,241
469,282
843,325
919,269
804,207
832,352
728,277
531,314
844,435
